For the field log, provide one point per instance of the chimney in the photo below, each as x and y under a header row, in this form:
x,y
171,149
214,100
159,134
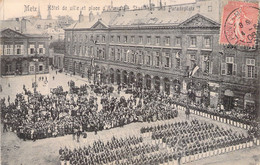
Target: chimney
x,y
23,25
81,17
160,4
91,16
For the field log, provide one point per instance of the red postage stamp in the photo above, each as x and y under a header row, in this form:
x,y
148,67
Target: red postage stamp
x,y
239,24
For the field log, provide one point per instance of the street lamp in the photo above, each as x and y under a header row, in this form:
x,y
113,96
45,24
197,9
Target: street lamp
x,y
35,59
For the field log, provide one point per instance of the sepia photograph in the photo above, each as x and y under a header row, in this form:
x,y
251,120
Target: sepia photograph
x,y
137,82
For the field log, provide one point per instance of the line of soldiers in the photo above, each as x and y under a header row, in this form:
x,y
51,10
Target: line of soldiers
x,y
116,151
191,138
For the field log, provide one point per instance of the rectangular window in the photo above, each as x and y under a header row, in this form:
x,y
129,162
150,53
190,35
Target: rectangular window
x,y
40,68
41,49
149,40
157,41
103,53
207,42
229,68
118,54
140,61
148,60
132,39
250,68
157,61
112,55
112,38
178,41
8,49
125,55
125,39
18,49
133,57
178,63
250,71
193,41
167,41
192,57
31,68
118,39
140,40
103,39
167,60
31,49
209,8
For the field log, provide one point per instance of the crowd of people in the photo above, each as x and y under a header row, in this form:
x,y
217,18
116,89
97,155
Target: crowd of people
x,y
35,116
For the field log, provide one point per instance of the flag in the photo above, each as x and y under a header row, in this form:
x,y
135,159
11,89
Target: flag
x,y
92,62
194,70
177,55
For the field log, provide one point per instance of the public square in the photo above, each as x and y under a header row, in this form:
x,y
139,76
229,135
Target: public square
x,y
46,151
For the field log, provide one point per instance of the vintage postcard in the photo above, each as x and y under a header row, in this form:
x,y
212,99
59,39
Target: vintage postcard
x,y
139,82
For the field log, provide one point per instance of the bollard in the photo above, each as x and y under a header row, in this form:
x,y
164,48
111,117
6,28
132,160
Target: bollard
x,y
251,143
211,153
204,154
200,155
244,145
192,158
187,159
183,160
247,144
223,150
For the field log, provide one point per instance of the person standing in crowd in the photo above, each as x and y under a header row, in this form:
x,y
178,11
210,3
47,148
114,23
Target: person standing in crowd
x,y
5,126
53,77
187,112
8,99
78,135
74,133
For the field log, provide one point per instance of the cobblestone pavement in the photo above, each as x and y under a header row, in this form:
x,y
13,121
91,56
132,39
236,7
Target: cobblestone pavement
x,y
15,151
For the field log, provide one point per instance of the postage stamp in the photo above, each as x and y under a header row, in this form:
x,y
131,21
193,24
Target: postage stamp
x,y
239,24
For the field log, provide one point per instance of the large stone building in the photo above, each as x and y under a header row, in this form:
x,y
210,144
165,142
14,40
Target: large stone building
x,y
23,53
173,51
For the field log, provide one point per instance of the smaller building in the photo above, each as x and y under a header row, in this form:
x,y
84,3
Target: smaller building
x,y
22,53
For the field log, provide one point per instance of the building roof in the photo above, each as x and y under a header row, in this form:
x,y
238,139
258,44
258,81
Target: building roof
x,y
138,18
13,33
16,26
